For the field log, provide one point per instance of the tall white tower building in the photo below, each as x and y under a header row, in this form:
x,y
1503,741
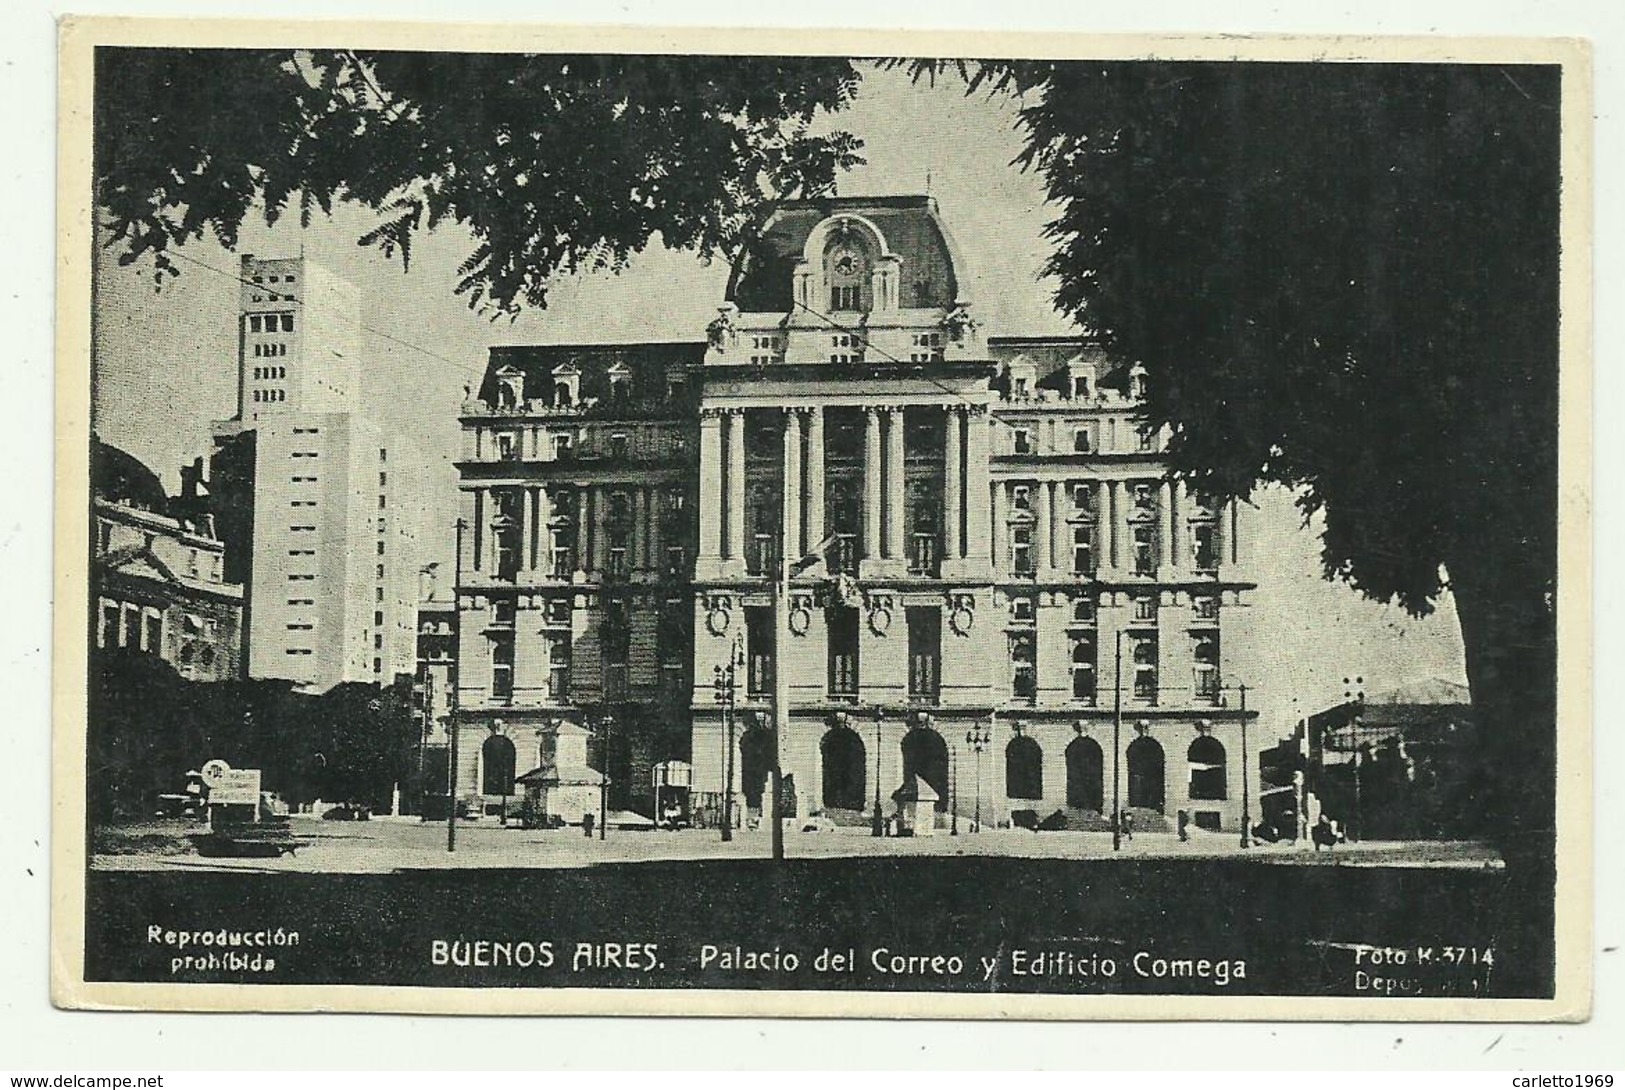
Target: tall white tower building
x,y
319,507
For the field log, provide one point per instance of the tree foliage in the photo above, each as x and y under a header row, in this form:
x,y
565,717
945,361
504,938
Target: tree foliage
x,y
554,163
1339,277
148,727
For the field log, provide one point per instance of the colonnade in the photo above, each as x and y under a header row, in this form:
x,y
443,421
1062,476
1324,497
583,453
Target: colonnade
x,y
965,473
532,522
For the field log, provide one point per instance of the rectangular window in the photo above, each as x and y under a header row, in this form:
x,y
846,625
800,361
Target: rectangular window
x,y
1023,665
1145,549
924,652
1145,607
617,632
1205,547
759,650
1083,550
1145,668
380,548
1083,668
1021,550
1205,606
558,611
1205,668
1082,441
558,667
378,617
843,651
501,665
843,297
619,446
1021,441
287,323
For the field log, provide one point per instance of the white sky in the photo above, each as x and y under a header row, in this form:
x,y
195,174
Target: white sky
x,y
167,367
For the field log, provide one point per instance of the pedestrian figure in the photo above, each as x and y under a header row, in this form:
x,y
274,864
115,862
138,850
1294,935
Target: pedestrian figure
x,y
587,822
1325,834
1128,825
1184,825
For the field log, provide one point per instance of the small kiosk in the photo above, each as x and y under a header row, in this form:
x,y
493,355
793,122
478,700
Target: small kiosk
x,y
916,803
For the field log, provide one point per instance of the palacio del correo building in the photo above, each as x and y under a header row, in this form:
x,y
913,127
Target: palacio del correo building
x,y
989,541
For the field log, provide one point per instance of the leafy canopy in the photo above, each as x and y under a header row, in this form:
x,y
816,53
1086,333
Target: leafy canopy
x,y
1338,276
554,163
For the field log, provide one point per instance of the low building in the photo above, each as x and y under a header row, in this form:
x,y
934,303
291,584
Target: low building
x,y
1402,765
158,573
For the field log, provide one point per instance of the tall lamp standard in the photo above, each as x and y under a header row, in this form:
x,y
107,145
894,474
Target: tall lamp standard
x,y
451,696
726,684
877,825
1246,778
1355,697
978,738
1117,747
953,789
605,725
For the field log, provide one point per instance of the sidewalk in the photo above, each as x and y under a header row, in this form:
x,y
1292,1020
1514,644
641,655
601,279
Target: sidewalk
x,y
374,847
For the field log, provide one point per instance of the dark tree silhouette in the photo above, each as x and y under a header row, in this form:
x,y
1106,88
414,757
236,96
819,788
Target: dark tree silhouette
x,y
1342,278
554,163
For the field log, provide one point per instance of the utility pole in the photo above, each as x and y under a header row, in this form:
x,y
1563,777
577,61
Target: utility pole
x,y
781,681
1117,747
605,726
1246,778
726,686
451,696
878,823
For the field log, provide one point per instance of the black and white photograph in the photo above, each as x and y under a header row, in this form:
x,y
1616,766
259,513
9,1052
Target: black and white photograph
x,y
570,521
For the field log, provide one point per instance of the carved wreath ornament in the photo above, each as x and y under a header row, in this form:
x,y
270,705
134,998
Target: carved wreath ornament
x,y
719,612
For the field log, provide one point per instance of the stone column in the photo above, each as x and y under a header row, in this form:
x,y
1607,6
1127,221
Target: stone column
x,y
895,492
583,526
1179,549
1114,522
952,502
600,528
815,476
998,547
713,485
654,550
542,544
1057,524
1235,532
479,537
791,543
1165,529
527,520
1103,530
638,560
978,535
871,483
1044,530
735,549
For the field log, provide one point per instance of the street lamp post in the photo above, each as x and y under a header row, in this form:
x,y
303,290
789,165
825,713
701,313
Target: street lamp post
x,y
1117,747
451,695
1246,780
726,685
1355,696
878,824
953,790
978,738
605,725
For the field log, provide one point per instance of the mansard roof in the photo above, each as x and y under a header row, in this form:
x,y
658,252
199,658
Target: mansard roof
x,y
911,226
647,361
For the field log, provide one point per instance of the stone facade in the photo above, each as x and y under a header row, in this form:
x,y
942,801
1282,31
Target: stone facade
x,y
983,521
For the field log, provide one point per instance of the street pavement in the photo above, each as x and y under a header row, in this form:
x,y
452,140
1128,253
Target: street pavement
x,y
387,844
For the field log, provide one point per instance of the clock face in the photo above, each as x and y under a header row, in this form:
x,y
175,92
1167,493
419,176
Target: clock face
x,y
846,263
